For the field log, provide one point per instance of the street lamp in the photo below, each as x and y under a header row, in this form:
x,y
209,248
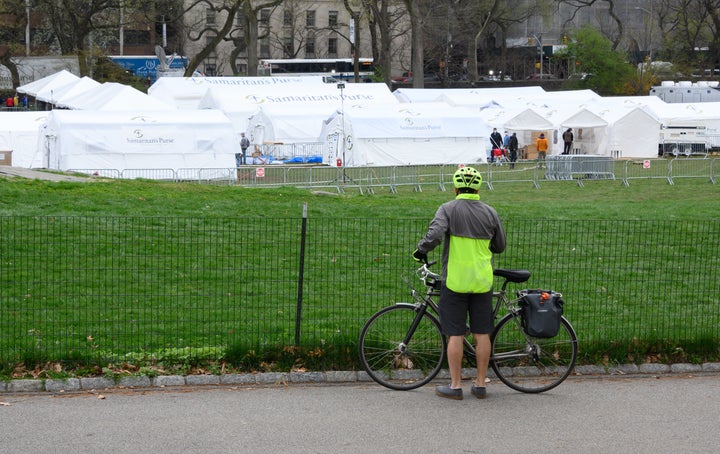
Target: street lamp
x,y
539,44
341,87
650,27
27,28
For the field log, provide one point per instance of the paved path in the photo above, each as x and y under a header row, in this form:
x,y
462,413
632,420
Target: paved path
x,y
663,414
7,171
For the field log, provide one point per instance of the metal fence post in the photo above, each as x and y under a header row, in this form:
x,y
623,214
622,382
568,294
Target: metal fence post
x,y
301,273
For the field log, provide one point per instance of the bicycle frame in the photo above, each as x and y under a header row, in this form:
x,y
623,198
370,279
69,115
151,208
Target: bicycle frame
x,y
422,302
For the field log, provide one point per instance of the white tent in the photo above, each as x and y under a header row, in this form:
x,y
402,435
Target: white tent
x,y
589,129
187,92
483,98
290,116
237,105
19,134
115,96
422,133
53,81
689,115
631,132
288,124
64,95
418,94
120,140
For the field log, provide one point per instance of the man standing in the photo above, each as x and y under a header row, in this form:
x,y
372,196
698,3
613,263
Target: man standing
x,y
472,233
513,149
496,141
568,140
244,144
542,146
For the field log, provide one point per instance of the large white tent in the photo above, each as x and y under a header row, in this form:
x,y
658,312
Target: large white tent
x,y
76,139
403,134
187,92
53,81
290,115
19,134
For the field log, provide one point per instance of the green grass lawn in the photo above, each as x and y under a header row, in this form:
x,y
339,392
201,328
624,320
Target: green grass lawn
x,y
158,266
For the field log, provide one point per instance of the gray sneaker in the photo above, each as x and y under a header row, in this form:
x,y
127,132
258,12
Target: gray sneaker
x,y
448,392
478,391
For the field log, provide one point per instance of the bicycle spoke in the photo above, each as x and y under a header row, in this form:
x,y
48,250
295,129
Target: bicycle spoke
x,y
532,365
398,366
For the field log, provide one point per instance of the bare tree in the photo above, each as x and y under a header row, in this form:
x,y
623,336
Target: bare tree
x,y
385,18
72,22
207,31
13,20
615,31
419,12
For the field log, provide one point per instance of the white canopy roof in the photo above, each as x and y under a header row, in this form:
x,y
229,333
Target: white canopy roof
x,y
64,95
187,92
48,83
115,96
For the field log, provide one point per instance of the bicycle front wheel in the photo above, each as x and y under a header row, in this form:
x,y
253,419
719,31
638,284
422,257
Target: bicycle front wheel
x,y
391,361
529,364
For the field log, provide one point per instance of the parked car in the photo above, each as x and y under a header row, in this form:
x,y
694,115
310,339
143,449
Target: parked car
x,y
543,76
407,78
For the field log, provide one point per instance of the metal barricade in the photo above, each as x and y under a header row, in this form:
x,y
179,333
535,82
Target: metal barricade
x,y
150,174
104,173
645,169
299,153
579,167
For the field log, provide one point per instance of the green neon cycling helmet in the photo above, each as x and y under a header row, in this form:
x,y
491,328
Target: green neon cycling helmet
x,y
467,177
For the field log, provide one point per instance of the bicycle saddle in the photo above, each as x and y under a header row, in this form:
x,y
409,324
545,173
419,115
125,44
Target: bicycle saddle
x,y
513,275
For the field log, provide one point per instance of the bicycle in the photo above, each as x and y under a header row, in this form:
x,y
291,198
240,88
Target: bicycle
x,y
401,346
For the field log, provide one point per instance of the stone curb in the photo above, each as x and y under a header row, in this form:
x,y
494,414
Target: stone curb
x,y
281,378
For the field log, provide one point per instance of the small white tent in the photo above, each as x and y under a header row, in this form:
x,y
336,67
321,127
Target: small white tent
x,y
51,82
403,134
19,134
187,92
589,130
632,130
120,140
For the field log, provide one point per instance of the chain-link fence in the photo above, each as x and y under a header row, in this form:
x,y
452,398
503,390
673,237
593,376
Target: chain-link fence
x,y
114,289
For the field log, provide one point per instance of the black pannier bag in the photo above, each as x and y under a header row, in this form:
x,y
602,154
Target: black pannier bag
x,y
541,312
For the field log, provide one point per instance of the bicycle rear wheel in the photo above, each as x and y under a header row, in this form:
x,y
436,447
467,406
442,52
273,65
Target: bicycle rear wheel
x,y
529,364
387,359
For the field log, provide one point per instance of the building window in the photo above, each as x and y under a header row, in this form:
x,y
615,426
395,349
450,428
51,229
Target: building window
x,y
240,20
310,47
332,19
310,18
332,47
210,16
265,47
265,16
288,47
287,18
210,69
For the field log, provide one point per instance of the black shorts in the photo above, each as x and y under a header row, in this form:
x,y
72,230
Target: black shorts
x,y
455,307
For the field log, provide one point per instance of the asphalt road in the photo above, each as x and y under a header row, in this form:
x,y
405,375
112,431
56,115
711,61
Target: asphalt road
x,y
639,415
